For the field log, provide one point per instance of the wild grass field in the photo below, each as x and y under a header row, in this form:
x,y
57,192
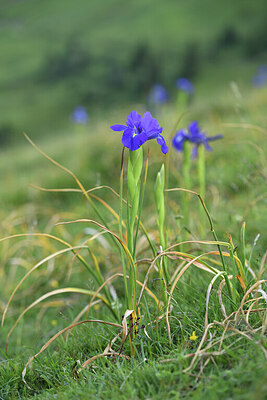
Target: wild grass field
x,y
181,322
235,193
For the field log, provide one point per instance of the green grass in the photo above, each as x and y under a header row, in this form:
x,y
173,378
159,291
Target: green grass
x,y
156,371
235,177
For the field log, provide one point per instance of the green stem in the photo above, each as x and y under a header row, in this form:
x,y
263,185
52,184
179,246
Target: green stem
x,y
201,171
135,166
140,205
132,281
159,189
243,249
120,229
187,183
234,271
202,185
182,101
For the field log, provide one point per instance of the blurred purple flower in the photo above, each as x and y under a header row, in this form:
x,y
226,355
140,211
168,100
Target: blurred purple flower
x,y
260,79
79,115
194,135
185,85
158,94
138,130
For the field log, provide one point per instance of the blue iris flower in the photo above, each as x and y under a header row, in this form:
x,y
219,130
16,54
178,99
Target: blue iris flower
x,y
133,136
194,135
138,130
158,94
79,115
185,85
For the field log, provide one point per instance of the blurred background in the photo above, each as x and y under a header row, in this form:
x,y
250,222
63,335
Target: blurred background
x,y
105,54
70,69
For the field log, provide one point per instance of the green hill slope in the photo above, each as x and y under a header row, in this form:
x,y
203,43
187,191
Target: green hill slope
x,y
57,54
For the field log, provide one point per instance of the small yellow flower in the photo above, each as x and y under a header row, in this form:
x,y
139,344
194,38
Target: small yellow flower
x,y
96,307
193,336
54,283
54,322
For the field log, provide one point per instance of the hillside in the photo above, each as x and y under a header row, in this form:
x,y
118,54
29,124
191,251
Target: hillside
x,y
57,54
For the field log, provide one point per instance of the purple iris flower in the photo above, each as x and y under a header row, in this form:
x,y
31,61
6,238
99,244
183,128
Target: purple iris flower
x,y
158,94
193,135
133,136
79,115
185,85
138,130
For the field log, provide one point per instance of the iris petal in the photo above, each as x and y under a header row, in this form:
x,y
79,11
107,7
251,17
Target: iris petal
x,y
151,126
141,138
216,137
194,128
206,144
134,144
118,127
152,130
134,119
127,138
162,143
178,140
147,121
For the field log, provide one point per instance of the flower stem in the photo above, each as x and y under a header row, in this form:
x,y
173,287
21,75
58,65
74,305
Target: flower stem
x,y
231,252
202,185
201,171
141,203
120,228
182,101
187,183
135,166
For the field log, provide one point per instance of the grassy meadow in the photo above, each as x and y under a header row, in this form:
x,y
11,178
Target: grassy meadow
x,y
197,337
